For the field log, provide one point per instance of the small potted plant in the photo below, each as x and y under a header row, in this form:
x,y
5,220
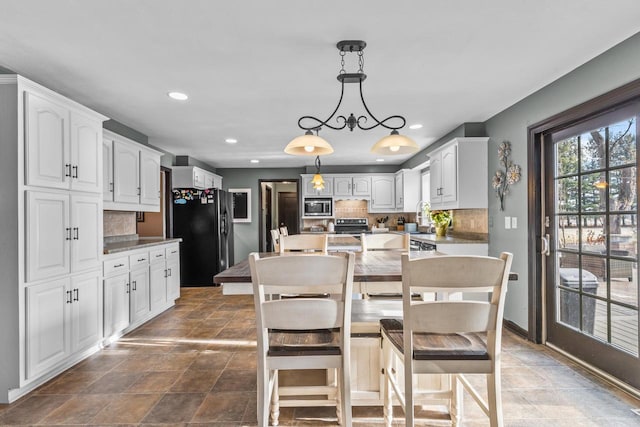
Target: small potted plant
x,y
441,219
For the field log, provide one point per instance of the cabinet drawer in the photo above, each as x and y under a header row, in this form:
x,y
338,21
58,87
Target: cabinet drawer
x,y
156,255
115,265
139,260
172,252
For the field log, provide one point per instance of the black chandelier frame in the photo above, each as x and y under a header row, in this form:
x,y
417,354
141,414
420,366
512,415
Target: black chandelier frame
x,y
351,122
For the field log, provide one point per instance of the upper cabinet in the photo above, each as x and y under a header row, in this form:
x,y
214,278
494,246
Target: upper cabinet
x,y
62,145
459,174
352,186
382,193
194,177
308,190
407,189
131,174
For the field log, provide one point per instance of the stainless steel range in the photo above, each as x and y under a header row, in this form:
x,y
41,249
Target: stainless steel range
x,y
353,226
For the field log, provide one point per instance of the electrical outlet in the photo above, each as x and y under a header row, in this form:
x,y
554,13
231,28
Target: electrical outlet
x,y
514,222
507,222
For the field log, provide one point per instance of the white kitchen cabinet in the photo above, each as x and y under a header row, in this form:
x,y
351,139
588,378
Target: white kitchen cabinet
x,y
62,146
86,310
126,173
172,256
459,174
132,175
382,193
149,178
407,189
116,303
48,235
158,274
351,186
64,317
308,190
107,170
64,233
139,304
194,177
48,333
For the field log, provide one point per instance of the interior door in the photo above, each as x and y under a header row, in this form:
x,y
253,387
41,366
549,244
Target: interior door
x,y
288,211
591,215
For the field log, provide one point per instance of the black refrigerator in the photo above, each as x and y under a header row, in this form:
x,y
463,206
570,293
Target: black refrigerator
x,y
202,218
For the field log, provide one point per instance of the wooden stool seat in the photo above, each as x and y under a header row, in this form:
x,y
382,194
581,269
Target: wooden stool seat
x,y
315,342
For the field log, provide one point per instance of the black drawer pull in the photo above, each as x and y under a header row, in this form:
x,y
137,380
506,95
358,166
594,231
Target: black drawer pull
x,y
118,265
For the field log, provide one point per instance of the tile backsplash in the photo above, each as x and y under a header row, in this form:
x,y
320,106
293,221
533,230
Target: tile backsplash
x,y
118,223
471,220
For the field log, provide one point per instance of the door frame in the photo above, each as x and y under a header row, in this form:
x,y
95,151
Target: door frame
x,y
261,225
602,104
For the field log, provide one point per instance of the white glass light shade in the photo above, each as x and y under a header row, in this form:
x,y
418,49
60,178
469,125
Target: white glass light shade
x,y
318,182
308,145
395,144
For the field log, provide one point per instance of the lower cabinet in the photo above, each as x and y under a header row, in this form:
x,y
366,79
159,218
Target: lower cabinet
x,y
63,317
138,285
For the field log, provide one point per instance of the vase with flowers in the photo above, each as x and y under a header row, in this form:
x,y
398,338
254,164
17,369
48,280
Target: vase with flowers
x,y
441,219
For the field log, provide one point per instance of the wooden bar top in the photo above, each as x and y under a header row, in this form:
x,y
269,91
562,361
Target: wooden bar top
x,y
372,266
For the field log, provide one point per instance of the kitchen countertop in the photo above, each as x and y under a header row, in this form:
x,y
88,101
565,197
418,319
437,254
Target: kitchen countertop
x,y
439,240
142,242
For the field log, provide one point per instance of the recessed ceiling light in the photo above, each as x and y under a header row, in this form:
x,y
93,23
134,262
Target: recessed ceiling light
x,y
179,96
231,140
379,160
416,126
255,161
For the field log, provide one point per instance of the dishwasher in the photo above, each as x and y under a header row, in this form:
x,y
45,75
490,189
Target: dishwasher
x,y
418,245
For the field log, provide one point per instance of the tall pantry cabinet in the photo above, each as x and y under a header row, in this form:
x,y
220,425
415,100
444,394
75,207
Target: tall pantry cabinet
x,y
51,227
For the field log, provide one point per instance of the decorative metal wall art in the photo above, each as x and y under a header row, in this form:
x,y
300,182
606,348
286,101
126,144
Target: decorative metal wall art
x,y
502,179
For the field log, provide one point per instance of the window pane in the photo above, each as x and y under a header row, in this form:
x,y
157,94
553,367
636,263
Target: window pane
x,y
624,328
622,142
567,231
596,266
567,156
567,194
592,145
569,308
623,282
622,189
594,318
623,236
593,237
593,195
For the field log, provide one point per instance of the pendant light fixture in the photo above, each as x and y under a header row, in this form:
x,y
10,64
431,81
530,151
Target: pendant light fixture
x,y
392,144
317,180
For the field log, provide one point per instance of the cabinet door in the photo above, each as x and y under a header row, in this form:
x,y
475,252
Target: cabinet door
x,y
86,311
158,285
399,186
382,193
361,186
86,232
86,154
47,143
47,325
173,279
149,178
48,235
450,174
116,304
208,181
126,173
198,178
435,180
107,170
217,181
341,186
139,294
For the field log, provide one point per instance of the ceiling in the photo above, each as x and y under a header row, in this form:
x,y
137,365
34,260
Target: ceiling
x,y
252,67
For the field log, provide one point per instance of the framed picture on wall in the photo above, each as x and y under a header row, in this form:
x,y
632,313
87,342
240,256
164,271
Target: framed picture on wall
x,y
241,204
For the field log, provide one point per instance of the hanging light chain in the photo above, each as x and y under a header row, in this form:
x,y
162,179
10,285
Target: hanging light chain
x,y
342,54
361,61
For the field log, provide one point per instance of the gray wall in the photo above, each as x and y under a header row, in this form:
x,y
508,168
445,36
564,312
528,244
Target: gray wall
x,y
608,71
245,235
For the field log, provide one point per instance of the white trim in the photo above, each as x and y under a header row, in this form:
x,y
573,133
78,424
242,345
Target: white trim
x,y
248,193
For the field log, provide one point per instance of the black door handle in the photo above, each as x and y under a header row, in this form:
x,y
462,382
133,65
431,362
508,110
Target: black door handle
x,y
76,294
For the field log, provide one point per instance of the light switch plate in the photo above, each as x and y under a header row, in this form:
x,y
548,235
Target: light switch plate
x,y
514,222
507,222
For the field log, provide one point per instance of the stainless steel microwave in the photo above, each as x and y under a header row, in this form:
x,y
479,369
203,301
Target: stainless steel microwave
x,y
318,206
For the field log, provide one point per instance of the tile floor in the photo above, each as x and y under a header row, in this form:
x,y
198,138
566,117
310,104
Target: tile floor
x,y
195,364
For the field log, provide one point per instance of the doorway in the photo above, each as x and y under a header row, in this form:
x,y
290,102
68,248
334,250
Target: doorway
x,y
583,279
279,205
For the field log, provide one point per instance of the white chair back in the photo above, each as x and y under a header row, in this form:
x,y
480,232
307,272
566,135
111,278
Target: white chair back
x,y
284,231
275,240
385,241
304,243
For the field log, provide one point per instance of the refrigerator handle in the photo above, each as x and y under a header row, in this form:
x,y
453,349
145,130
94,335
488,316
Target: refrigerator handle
x,y
223,226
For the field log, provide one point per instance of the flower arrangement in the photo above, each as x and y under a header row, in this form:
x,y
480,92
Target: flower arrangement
x,y
502,179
